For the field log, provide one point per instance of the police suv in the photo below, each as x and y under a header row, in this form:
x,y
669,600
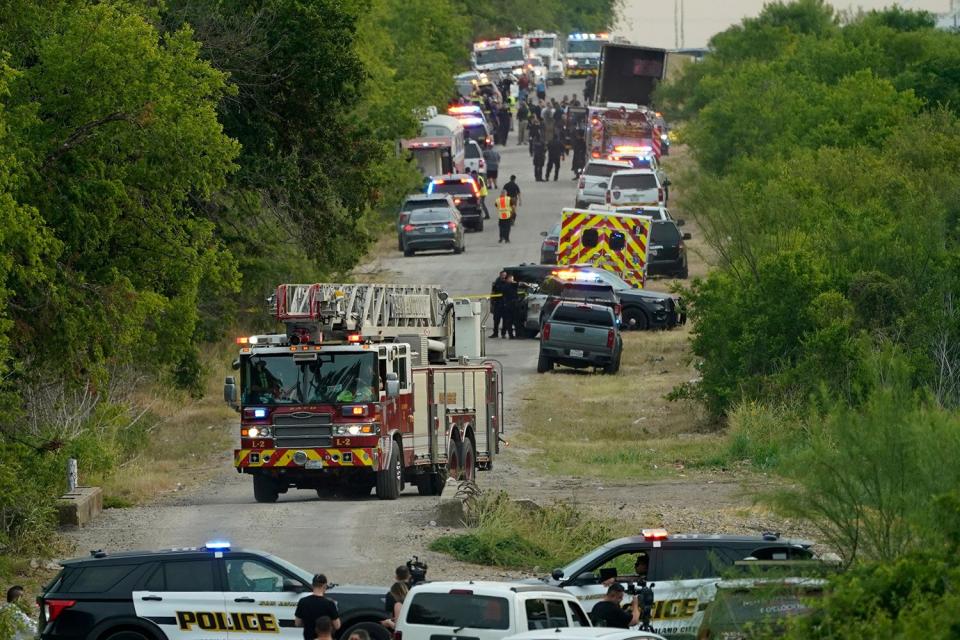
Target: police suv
x,y
201,593
682,569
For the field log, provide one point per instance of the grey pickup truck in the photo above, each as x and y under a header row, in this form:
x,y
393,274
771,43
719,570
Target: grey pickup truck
x,y
580,335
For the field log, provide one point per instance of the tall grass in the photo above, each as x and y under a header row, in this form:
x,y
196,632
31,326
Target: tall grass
x,y
520,536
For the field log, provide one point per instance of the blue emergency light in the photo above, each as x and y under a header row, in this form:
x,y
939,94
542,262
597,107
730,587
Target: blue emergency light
x,y
218,545
259,413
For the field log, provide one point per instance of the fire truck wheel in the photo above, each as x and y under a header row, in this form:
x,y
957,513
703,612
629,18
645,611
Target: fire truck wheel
x,y
469,461
431,484
635,319
454,468
390,479
265,489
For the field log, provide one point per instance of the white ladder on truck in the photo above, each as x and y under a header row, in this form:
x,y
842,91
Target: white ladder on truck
x,y
375,310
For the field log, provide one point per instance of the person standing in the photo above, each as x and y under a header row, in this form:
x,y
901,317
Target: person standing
x,y
523,114
555,153
496,303
504,216
541,89
513,190
481,192
315,606
510,298
588,89
393,601
492,158
503,125
579,154
539,156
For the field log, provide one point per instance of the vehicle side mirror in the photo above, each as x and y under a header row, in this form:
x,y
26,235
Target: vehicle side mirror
x,y
543,233
557,574
292,586
230,392
680,222
687,236
393,385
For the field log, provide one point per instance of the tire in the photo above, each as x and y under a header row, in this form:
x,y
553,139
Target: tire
x,y
454,461
375,630
639,317
544,364
408,252
457,250
479,226
469,461
129,635
530,333
431,484
390,479
265,488
684,272
399,244
613,367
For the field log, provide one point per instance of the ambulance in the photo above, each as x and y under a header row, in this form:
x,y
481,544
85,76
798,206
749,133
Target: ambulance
x,y
610,240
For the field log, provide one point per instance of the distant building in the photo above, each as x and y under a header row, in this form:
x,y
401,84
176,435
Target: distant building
x,y
950,21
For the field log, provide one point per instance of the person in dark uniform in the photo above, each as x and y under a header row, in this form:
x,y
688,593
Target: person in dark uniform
x,y
555,153
579,154
588,89
510,298
496,302
503,125
512,189
314,606
539,156
609,613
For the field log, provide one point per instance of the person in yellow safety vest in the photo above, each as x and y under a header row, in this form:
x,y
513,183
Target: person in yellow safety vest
x,y
482,189
504,216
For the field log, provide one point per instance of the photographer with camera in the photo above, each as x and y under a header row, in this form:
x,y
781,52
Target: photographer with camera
x,y
608,613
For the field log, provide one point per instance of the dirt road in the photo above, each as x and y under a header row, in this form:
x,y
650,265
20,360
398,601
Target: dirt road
x,y
362,540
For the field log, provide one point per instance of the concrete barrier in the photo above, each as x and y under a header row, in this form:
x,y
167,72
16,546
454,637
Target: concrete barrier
x,y
80,506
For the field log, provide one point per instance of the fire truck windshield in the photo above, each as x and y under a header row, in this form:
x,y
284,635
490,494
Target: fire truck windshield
x,y
282,378
585,46
500,54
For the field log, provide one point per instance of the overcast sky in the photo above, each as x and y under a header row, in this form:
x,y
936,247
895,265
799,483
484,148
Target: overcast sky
x,y
650,22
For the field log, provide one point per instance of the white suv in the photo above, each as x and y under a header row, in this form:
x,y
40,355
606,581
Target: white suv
x,y
474,158
485,610
634,187
592,187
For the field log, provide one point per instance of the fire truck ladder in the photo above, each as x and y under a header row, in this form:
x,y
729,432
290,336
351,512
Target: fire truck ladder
x,y
382,311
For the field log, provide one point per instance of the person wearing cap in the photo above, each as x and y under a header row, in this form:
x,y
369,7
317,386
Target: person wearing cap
x,y
640,567
315,606
609,613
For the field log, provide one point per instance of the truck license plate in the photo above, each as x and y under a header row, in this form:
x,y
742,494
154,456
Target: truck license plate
x,y
313,464
430,229
576,353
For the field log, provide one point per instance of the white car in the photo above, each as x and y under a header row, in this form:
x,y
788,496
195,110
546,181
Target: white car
x,y
587,633
594,180
635,187
485,610
474,158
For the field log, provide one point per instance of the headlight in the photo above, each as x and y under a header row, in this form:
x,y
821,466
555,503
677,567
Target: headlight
x,y
356,429
571,63
259,432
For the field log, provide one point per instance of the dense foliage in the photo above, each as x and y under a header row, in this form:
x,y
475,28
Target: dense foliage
x,y
827,184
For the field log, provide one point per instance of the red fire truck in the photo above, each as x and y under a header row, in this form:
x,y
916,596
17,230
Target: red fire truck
x,y
371,386
622,130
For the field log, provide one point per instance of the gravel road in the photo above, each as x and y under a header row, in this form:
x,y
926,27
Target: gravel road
x,y
362,540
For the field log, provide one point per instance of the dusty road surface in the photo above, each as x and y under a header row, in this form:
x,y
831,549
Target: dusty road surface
x,y
362,540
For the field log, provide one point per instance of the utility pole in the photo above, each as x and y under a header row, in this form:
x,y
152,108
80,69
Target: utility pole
x,y
676,24
683,41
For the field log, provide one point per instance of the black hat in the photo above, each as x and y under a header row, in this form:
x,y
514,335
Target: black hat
x,y
616,587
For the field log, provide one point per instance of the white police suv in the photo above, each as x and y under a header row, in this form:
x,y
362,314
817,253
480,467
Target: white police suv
x,y
199,593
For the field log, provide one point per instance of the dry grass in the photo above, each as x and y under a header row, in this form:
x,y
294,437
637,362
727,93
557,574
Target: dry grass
x,y
187,443
621,426
371,269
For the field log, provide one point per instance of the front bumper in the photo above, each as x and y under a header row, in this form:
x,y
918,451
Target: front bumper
x,y
306,459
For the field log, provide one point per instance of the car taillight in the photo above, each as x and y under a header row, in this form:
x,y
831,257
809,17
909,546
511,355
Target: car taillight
x,y
451,225
456,201
398,635
549,243
546,331
582,183
489,140
53,608
408,227
610,337
482,164
660,194
617,309
609,200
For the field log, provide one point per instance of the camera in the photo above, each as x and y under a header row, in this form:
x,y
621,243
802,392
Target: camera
x,y
645,598
418,570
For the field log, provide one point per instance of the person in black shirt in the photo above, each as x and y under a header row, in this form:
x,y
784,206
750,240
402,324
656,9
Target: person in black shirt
x,y
608,612
510,291
315,606
513,190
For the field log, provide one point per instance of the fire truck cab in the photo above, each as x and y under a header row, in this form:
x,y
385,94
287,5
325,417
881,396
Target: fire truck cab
x,y
347,400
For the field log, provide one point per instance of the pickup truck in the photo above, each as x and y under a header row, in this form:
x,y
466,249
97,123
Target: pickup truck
x,y
478,610
580,335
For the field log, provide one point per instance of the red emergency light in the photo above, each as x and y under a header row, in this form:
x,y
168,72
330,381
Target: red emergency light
x,y
354,338
655,534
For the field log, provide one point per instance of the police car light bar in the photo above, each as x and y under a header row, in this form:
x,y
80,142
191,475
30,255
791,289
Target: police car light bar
x,y
654,534
217,545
